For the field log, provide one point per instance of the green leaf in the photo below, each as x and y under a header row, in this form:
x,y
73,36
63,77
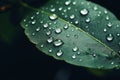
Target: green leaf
x,y
79,32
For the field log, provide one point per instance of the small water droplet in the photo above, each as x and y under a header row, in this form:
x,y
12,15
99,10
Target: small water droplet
x,y
74,56
66,27
53,17
112,63
42,45
105,11
32,17
50,50
74,3
58,30
87,20
109,24
45,25
67,2
33,33
84,12
75,49
48,33
80,60
78,53
72,16
107,18
37,13
118,34
109,37
60,8
33,22
24,20
105,30
69,8
95,8
58,43
52,10
94,55
76,22
50,40
59,53
38,29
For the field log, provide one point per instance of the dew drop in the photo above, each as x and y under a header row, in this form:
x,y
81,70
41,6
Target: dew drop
x,y
109,24
59,53
58,43
74,56
75,49
33,22
109,37
112,63
33,33
32,17
48,33
94,55
37,13
105,30
74,3
58,30
84,12
87,20
50,40
78,53
60,8
107,17
50,50
42,45
38,29
53,17
69,8
118,35
66,27
72,16
80,60
76,22
45,25
67,3
52,10
95,8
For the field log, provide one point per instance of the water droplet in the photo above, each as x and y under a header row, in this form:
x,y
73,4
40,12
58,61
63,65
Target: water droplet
x,y
33,33
33,22
66,27
72,16
69,8
50,50
94,55
75,49
112,63
53,17
84,12
42,45
24,20
105,30
118,35
109,24
58,43
60,8
48,33
76,22
87,20
52,10
74,3
32,17
78,53
107,18
58,30
105,11
45,25
67,3
38,29
74,56
109,37
37,13
95,8
50,40
59,53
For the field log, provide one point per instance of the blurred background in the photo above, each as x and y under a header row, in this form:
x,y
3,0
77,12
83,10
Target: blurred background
x,y
20,60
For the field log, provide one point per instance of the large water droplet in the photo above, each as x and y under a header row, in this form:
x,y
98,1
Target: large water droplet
x,y
84,11
53,17
58,30
109,37
50,40
59,53
75,49
58,43
67,2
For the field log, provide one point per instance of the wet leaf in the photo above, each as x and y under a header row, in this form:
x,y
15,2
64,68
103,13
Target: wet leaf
x,y
79,32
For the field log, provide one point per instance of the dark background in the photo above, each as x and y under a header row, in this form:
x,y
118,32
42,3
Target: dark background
x,y
20,60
